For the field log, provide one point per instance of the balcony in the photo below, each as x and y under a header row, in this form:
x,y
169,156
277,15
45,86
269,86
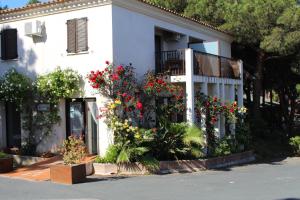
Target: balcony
x,y
174,63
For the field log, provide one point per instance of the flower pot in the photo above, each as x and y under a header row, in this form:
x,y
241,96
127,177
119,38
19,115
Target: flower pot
x,y
6,165
68,174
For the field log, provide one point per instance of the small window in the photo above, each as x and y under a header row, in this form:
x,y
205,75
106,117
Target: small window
x,y
77,35
9,44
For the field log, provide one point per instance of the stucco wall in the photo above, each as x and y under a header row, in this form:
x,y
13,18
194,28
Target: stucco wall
x,y
41,55
134,38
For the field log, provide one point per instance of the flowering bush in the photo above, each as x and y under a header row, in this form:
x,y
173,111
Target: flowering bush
x,y
15,88
58,84
212,108
73,150
125,112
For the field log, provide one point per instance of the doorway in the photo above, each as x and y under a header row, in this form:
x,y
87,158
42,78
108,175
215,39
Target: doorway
x,y
81,119
13,126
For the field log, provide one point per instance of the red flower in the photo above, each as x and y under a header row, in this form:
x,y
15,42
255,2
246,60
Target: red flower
x,y
96,86
139,105
124,94
215,99
107,62
115,77
231,110
120,69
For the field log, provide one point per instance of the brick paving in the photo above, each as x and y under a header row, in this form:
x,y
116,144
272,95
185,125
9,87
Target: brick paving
x,y
37,172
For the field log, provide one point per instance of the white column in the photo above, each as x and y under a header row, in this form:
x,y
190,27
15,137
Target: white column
x,y
222,118
216,93
190,86
232,99
240,94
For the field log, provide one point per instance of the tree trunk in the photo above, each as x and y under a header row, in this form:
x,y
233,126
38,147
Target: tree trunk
x,y
257,89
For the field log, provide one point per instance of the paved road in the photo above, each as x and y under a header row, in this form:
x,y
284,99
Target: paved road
x,y
278,180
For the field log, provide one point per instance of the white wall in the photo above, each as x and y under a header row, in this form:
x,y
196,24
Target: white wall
x,y
39,56
134,38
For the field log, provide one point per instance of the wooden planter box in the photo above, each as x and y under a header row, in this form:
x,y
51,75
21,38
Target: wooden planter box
x,y
6,165
68,174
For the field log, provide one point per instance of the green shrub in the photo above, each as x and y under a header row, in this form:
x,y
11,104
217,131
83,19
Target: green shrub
x,y
243,136
74,150
174,141
3,155
224,146
111,155
295,143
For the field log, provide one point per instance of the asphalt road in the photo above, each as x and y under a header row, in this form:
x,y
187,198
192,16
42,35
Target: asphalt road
x,y
274,181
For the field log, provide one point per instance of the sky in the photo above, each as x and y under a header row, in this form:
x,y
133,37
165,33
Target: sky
x,y
15,3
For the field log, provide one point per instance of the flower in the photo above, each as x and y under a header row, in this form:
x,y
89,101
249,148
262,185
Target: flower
x,y
115,77
139,105
107,62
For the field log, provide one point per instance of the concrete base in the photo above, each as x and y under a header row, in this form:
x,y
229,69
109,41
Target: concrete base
x,y
176,166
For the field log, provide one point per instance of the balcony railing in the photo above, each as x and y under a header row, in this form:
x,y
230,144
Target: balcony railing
x,y
173,63
215,66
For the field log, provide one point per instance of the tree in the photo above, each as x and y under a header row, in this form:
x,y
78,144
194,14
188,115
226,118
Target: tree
x,y
3,7
33,2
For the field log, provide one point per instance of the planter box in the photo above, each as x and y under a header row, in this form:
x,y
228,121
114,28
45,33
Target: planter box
x,y
6,165
68,174
176,166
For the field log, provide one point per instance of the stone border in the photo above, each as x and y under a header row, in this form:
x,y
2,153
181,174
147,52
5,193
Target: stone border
x,y
180,166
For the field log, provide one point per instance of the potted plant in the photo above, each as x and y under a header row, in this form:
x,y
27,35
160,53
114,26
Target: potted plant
x,y
6,163
72,170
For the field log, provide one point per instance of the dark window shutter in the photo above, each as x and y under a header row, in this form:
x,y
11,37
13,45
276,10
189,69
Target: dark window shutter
x,y
82,35
71,31
9,44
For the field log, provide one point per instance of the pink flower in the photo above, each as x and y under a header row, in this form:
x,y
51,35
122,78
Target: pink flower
x,y
124,94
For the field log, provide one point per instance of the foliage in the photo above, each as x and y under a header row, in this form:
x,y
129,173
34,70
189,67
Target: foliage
x,y
176,5
3,155
48,89
15,88
73,150
58,84
295,143
110,156
212,108
243,136
33,2
224,147
176,141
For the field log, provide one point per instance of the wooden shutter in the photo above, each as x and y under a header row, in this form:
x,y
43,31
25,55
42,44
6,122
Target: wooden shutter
x,y
71,31
9,44
82,35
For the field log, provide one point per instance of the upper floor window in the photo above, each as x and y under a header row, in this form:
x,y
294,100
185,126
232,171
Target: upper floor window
x,y
77,35
9,44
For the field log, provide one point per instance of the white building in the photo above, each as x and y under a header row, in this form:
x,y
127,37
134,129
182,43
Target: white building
x,y
83,34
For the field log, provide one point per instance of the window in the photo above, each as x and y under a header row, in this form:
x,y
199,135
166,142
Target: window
x,y
77,35
9,44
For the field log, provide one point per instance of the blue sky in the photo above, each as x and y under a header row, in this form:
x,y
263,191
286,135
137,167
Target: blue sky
x,y
15,3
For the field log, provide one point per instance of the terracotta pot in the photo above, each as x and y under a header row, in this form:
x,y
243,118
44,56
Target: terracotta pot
x,y
6,165
68,174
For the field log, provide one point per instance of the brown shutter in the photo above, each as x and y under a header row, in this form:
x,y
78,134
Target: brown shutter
x,y
82,35
71,31
9,44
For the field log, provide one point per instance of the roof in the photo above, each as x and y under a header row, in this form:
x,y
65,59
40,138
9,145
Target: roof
x,y
52,2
